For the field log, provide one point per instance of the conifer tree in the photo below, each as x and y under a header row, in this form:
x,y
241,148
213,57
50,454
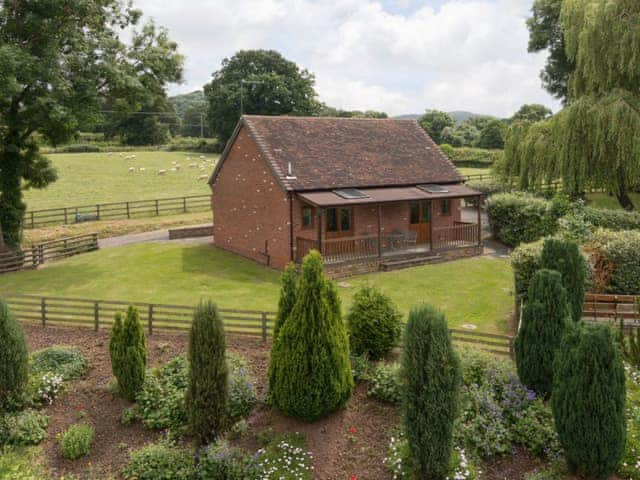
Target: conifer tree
x,y
14,359
207,393
431,378
588,401
565,257
546,317
288,288
311,372
129,357
115,345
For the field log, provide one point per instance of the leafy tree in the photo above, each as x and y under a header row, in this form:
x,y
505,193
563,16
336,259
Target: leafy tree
x,y
14,358
462,134
545,319
288,289
194,121
283,89
61,62
326,111
545,34
565,257
533,112
128,351
491,135
430,378
207,393
588,401
374,323
311,374
434,122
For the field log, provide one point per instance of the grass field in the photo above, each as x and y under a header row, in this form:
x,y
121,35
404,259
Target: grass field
x,y
90,178
474,171
604,201
473,291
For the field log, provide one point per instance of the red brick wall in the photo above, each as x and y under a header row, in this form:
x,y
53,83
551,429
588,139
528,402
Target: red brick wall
x,y
249,206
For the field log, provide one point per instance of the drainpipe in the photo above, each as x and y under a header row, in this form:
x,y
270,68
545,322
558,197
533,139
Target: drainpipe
x,y
291,255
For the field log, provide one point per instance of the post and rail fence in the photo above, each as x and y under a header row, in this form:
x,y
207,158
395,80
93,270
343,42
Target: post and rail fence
x,y
36,255
116,211
99,314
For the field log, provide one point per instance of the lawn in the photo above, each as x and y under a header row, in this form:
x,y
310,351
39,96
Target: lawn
x,y
604,201
474,171
475,291
90,178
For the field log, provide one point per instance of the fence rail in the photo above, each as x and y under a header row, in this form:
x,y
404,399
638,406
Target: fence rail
x,y
30,258
116,210
460,235
612,308
99,314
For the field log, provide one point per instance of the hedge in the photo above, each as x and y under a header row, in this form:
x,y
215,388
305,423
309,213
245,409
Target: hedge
x,y
616,257
471,157
612,219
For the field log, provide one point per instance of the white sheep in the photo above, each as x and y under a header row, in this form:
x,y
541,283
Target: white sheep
x,y
131,169
203,177
193,165
162,172
142,169
172,169
202,157
174,163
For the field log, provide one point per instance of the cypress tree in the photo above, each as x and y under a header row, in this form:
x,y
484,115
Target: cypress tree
x,y
14,359
431,378
545,319
132,354
207,392
311,372
565,257
588,401
288,288
115,346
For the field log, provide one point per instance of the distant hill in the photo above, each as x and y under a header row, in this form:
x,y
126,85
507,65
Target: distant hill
x,y
458,115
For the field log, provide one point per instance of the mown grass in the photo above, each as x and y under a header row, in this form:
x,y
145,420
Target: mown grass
x,y
90,178
604,201
474,171
476,291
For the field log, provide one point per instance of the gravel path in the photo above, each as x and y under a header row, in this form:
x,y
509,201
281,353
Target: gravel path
x,y
145,237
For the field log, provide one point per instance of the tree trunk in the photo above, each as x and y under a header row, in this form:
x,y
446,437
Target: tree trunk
x,y
623,193
12,208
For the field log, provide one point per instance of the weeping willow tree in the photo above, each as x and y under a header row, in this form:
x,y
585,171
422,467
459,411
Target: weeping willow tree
x,y
594,141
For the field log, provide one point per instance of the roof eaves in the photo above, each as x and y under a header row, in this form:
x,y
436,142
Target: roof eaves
x,y
271,161
225,152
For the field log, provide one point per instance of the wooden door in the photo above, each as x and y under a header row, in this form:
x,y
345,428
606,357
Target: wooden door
x,y
420,220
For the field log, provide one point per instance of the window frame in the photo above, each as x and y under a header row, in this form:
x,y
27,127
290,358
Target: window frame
x,y
339,219
311,211
445,207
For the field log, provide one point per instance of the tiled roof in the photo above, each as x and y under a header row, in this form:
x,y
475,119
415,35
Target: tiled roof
x,y
328,153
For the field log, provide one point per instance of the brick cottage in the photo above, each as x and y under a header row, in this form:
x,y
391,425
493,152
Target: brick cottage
x,y
368,194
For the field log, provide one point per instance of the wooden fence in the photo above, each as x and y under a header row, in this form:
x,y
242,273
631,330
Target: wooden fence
x,y
30,258
99,314
116,210
612,308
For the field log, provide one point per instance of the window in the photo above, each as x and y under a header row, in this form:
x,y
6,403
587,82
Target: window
x,y
420,212
307,217
426,212
415,213
350,193
445,205
339,220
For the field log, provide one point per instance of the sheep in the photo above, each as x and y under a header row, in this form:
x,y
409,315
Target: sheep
x,y
172,169
131,169
193,165
162,172
202,157
142,169
174,163
178,167
203,177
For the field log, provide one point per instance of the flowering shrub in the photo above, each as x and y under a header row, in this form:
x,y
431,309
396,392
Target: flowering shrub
x,y
160,461
284,458
385,383
221,462
49,387
67,362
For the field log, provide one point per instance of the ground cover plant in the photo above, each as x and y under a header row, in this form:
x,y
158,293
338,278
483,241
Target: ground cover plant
x,y
76,441
90,178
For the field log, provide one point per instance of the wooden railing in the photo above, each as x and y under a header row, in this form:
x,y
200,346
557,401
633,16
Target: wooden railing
x,y
48,251
460,235
349,248
612,308
116,210
99,314
304,246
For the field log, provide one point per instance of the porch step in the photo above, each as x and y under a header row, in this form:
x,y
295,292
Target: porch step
x,y
408,262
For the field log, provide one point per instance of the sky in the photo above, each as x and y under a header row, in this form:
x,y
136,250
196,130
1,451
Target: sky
x,y
398,56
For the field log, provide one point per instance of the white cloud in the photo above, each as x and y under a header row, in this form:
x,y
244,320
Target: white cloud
x,y
453,54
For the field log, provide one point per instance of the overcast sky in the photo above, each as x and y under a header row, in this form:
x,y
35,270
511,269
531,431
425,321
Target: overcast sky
x,y
399,56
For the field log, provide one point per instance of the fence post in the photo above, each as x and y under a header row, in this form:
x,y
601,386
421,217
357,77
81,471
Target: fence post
x,y
34,256
40,254
43,311
128,211
98,212
184,203
94,238
66,221
150,319
157,208
96,316
264,326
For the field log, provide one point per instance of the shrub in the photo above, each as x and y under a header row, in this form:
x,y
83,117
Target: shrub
x,y
565,257
618,255
76,441
534,428
385,383
629,467
128,352
14,359
589,401
431,377
612,219
160,461
517,218
28,427
242,393
374,323
288,288
283,457
219,461
311,374
45,389
545,319
472,157
361,368
66,362
207,392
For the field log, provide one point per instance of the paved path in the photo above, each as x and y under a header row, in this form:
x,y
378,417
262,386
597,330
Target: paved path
x,y
145,237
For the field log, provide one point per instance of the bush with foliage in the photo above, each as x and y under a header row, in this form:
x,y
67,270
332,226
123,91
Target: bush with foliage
x,y
472,157
160,461
431,375
628,468
612,219
128,350
28,427
43,390
361,368
14,359
208,388
564,256
517,218
589,400
17,463
66,362
76,441
193,144
545,320
617,256
311,375
374,323
284,457
219,461
384,383
288,289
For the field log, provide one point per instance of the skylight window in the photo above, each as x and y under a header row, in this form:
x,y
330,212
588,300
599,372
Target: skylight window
x,y
433,188
350,193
